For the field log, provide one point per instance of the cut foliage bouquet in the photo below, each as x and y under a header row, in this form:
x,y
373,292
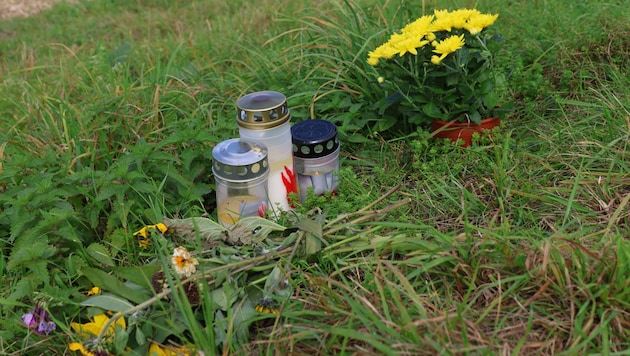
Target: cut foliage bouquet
x,y
440,67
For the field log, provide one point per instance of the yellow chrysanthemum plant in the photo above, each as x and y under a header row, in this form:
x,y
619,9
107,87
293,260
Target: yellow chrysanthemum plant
x,y
440,67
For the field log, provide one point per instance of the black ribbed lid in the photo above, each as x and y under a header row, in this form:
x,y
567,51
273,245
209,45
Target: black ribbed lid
x,y
314,138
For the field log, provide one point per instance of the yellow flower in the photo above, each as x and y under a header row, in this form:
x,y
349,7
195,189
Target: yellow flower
x,y
183,262
158,350
446,47
410,45
144,242
460,17
383,51
443,21
94,291
419,27
162,228
94,328
144,232
266,310
77,346
478,22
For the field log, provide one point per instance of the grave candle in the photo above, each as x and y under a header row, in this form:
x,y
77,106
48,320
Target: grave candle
x,y
264,117
316,156
241,169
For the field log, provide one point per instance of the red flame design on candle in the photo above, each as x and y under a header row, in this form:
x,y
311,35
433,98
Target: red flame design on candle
x,y
290,183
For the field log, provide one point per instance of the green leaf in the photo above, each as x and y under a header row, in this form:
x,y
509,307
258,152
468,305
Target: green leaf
x,y
313,236
224,297
108,302
12,303
242,316
385,124
491,99
276,284
475,117
357,138
220,328
310,226
139,275
120,340
112,284
100,254
74,263
40,271
24,251
312,244
23,287
141,339
452,79
432,111
118,240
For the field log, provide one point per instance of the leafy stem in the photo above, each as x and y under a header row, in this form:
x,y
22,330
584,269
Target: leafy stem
x,y
242,266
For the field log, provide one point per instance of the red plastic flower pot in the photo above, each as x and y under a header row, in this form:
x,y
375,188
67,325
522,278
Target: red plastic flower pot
x,y
462,130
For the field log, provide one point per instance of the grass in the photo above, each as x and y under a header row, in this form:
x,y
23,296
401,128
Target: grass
x,y
517,244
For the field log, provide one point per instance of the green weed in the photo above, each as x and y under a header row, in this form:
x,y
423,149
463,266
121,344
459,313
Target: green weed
x,y
515,244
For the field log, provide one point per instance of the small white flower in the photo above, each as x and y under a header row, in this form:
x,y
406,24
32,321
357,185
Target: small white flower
x,y
183,262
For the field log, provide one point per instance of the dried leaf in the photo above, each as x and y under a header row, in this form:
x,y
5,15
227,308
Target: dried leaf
x,y
247,231
252,230
191,227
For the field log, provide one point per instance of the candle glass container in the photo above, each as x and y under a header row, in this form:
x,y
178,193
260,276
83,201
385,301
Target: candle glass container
x,y
241,170
316,156
264,117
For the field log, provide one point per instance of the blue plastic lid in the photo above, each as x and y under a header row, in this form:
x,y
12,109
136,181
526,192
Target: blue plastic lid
x,y
314,138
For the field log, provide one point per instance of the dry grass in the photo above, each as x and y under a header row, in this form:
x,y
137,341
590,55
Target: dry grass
x,y
24,8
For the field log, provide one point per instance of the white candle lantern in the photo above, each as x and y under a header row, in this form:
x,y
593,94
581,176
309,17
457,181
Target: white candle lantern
x,y
241,169
316,156
264,117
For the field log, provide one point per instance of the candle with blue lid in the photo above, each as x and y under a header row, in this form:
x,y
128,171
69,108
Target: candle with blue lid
x,y
316,156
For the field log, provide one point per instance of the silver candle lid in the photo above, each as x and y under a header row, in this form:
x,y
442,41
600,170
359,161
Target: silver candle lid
x,y
262,110
240,160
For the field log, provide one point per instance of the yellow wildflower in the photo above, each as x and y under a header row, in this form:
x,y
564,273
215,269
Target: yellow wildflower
x,y
446,47
443,21
383,51
419,27
460,17
144,242
266,310
410,45
159,350
162,228
183,262
94,291
144,232
476,23
77,346
94,328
